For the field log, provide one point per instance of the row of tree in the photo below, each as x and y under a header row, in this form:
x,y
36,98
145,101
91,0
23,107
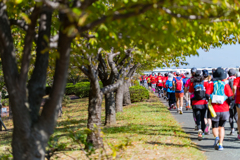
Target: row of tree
x,y
107,40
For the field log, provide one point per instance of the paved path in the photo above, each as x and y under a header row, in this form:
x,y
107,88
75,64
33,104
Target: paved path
x,y
231,145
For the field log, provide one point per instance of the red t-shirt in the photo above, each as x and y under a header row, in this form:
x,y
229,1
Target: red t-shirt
x,y
220,107
159,81
153,80
164,79
236,83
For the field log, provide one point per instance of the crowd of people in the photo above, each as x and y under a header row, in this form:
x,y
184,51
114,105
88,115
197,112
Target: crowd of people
x,y
214,98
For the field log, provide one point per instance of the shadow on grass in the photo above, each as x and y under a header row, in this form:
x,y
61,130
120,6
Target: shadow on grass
x,y
171,144
147,130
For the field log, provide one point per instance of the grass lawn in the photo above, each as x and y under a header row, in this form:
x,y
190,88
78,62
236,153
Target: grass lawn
x,y
148,127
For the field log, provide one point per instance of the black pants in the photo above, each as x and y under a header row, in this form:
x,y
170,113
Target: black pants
x,y
200,114
233,115
171,98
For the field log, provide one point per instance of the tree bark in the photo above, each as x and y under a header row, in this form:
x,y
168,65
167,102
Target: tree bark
x,y
30,138
126,93
37,83
1,110
110,116
119,99
94,114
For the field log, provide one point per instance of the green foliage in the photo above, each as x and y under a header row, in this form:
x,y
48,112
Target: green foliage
x,y
53,146
5,102
66,100
79,89
138,93
6,156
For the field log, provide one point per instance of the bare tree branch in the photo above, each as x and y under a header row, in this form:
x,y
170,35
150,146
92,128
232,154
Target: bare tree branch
x,y
28,47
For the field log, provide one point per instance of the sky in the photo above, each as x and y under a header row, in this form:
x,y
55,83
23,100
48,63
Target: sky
x,y
227,56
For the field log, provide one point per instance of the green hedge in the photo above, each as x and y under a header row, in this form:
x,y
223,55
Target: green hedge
x,y
80,89
138,93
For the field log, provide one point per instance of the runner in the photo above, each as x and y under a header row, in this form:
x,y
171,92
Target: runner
x,y
186,92
221,94
236,91
170,92
160,85
153,82
141,80
199,102
149,81
187,85
164,80
179,84
232,109
207,118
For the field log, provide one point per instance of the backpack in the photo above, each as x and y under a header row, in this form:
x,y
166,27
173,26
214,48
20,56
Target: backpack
x,y
218,96
179,84
199,90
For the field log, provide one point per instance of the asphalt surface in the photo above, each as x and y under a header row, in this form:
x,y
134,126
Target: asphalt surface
x,y
231,144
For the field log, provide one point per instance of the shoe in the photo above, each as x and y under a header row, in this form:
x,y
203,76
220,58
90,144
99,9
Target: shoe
x,y
170,108
208,133
206,128
220,147
180,111
232,132
196,128
238,136
200,135
216,141
187,107
174,107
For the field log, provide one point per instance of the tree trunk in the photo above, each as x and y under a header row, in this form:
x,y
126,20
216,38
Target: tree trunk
x,y
1,110
119,99
60,108
94,115
126,93
110,118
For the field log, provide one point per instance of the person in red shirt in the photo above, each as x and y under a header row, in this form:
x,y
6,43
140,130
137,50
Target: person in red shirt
x,y
153,82
221,108
232,109
149,80
164,80
160,85
236,91
207,118
199,102
141,80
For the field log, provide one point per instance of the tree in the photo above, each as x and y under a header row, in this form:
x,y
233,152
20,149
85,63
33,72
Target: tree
x,y
205,23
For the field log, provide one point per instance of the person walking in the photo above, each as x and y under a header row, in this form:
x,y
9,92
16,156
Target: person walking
x,y
232,109
221,96
179,84
160,85
199,102
207,118
164,80
170,92
153,82
236,91
186,91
